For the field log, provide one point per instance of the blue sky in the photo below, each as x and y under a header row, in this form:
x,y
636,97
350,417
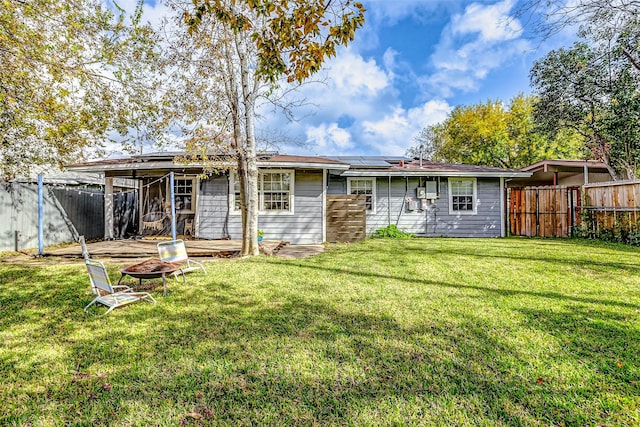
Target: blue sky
x,y
412,62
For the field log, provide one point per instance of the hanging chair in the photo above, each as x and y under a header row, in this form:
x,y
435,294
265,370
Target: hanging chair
x,y
154,221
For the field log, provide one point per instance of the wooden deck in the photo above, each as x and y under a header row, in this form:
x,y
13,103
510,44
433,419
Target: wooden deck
x,y
148,248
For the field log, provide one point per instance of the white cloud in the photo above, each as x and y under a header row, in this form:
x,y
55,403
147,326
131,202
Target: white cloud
x,y
481,39
329,138
491,22
395,132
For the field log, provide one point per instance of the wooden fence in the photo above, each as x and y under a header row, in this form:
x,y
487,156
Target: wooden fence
x,y
612,207
543,211
346,218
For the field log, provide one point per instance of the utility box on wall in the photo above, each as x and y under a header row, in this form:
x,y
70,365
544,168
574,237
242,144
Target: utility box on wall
x,y
431,190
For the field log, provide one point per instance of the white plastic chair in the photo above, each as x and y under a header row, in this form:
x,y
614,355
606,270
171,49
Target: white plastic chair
x,y
175,251
111,296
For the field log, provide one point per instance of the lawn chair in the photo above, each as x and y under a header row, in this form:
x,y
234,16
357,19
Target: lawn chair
x,y
111,296
175,251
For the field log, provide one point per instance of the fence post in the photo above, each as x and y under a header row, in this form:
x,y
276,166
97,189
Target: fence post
x,y
40,216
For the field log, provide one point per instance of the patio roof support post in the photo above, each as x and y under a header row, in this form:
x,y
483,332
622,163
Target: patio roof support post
x,y
173,206
503,211
40,216
325,186
140,205
586,174
108,208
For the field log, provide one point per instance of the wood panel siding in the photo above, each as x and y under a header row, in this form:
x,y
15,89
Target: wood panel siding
x,y
346,218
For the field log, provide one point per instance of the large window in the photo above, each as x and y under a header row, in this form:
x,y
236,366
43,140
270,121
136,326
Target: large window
x,y
183,193
366,186
462,196
275,191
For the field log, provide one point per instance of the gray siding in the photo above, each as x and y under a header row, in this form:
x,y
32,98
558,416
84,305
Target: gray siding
x,y
213,220
304,226
435,221
19,212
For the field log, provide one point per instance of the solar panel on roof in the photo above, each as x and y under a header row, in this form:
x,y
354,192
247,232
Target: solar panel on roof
x,y
363,161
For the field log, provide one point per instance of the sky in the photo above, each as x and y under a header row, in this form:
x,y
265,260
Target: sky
x,y
408,67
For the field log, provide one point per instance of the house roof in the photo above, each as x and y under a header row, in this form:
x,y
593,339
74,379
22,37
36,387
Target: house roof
x,y
417,168
565,166
167,161
343,165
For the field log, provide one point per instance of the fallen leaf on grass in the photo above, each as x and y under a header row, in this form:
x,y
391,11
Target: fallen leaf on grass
x,y
199,395
540,380
194,415
619,363
106,387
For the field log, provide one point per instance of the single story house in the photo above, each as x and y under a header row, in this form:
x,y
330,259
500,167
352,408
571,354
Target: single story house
x,y
428,199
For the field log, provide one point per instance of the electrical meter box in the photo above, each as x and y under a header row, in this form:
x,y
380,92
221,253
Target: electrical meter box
x,y
431,190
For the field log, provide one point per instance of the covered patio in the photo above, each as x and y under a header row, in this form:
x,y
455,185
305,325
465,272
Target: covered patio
x,y
140,248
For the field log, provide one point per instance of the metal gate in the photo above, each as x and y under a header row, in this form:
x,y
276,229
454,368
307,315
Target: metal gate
x,y
543,211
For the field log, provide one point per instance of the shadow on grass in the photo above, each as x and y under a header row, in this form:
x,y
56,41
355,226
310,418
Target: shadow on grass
x,y
218,352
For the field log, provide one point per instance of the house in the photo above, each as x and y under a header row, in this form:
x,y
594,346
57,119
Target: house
x,y
567,173
428,199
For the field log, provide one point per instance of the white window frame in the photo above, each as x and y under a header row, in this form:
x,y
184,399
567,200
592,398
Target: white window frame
x,y
232,197
474,195
194,192
373,191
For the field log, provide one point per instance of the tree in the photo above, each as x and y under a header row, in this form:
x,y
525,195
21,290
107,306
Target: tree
x,y
491,135
601,21
427,143
69,75
260,42
592,91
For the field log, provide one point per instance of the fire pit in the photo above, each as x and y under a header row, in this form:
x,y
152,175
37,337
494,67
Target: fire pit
x,y
151,269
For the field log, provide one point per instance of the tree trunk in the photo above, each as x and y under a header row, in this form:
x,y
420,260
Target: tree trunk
x,y
250,221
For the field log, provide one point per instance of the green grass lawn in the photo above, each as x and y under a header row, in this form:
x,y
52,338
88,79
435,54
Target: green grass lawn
x,y
421,331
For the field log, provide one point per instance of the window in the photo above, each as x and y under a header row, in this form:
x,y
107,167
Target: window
x,y
183,193
275,189
462,196
366,186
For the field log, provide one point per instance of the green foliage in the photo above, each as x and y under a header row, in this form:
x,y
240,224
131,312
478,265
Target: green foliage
x,y
615,227
491,134
391,232
291,37
591,88
383,332
69,74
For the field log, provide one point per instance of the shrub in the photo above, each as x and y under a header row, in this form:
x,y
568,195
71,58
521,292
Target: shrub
x,y
391,232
